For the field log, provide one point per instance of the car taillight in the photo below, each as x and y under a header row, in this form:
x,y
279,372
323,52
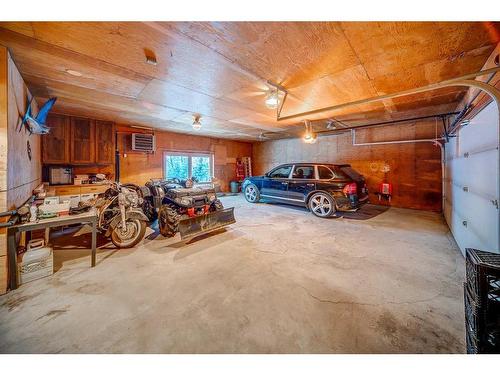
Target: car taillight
x,y
350,189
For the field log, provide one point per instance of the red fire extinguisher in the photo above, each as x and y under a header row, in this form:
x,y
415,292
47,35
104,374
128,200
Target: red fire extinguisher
x,y
385,188
385,191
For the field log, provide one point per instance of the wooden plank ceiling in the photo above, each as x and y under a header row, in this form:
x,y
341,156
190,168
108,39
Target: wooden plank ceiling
x,y
220,69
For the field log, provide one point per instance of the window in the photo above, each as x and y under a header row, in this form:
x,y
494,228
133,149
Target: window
x,y
303,172
325,173
187,165
281,172
177,166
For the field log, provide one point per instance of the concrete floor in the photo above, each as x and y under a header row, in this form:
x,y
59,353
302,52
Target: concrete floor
x,y
278,281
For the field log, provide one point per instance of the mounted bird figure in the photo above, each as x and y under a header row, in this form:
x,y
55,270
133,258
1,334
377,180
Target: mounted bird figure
x,y
36,125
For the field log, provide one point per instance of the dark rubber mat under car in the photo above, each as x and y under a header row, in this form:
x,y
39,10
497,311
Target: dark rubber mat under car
x,y
366,212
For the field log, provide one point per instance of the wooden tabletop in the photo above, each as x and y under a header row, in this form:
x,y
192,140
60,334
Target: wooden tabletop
x,y
60,220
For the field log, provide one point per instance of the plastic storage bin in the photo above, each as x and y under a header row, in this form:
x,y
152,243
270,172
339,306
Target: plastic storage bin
x,y
37,262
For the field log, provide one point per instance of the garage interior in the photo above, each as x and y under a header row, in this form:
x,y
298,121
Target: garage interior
x,y
411,106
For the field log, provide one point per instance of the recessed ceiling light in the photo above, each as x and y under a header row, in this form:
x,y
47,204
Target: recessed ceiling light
x,y
75,73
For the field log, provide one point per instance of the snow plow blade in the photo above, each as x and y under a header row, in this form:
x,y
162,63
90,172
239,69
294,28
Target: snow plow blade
x,y
206,223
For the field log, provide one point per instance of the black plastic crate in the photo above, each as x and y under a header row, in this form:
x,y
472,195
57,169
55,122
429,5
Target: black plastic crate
x,y
493,283
475,314
483,274
482,302
472,345
493,341
484,258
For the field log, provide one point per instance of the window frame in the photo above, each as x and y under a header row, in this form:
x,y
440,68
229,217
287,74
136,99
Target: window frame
x,y
190,155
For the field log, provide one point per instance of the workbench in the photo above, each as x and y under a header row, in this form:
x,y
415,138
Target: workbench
x,y
89,217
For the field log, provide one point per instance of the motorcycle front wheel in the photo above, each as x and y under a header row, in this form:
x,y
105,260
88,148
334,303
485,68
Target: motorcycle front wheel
x,y
131,235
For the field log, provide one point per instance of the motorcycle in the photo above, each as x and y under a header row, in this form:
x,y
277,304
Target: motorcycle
x,y
120,215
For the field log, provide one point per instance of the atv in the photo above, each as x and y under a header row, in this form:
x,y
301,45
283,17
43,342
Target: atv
x,y
181,207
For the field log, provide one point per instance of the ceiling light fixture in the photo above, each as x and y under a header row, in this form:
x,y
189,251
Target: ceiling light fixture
x,y
196,122
272,99
75,73
309,136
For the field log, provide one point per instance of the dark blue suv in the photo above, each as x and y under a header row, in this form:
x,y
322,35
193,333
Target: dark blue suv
x,y
323,188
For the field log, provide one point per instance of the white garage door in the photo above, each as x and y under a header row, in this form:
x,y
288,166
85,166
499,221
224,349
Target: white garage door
x,y
471,183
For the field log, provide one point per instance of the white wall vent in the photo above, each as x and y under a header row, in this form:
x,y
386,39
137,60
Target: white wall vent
x,y
143,142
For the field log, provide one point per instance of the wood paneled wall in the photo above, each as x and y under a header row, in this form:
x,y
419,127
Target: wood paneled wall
x,y
19,174
3,163
24,174
415,169
139,167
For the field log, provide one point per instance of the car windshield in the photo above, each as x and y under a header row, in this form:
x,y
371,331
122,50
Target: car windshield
x,y
351,173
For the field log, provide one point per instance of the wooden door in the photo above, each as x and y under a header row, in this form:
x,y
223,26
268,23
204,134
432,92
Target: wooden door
x,y
82,141
105,142
56,144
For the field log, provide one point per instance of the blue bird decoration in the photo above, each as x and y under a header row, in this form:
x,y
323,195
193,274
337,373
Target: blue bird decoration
x,y
36,125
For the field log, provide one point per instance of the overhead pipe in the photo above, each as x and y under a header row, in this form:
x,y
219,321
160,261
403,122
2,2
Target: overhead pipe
x,y
434,86
353,132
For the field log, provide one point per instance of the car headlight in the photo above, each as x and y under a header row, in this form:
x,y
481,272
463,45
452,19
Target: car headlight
x,y
132,199
186,201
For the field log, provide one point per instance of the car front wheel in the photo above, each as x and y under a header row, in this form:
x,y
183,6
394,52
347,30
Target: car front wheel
x,y
322,205
252,193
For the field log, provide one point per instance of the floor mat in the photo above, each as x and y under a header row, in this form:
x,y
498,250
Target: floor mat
x,y
366,212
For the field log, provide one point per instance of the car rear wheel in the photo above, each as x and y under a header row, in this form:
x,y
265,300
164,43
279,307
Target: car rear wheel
x,y
252,193
322,205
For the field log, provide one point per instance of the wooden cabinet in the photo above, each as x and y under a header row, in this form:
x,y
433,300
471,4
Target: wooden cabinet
x,y
56,144
82,141
77,189
78,141
104,142
93,189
